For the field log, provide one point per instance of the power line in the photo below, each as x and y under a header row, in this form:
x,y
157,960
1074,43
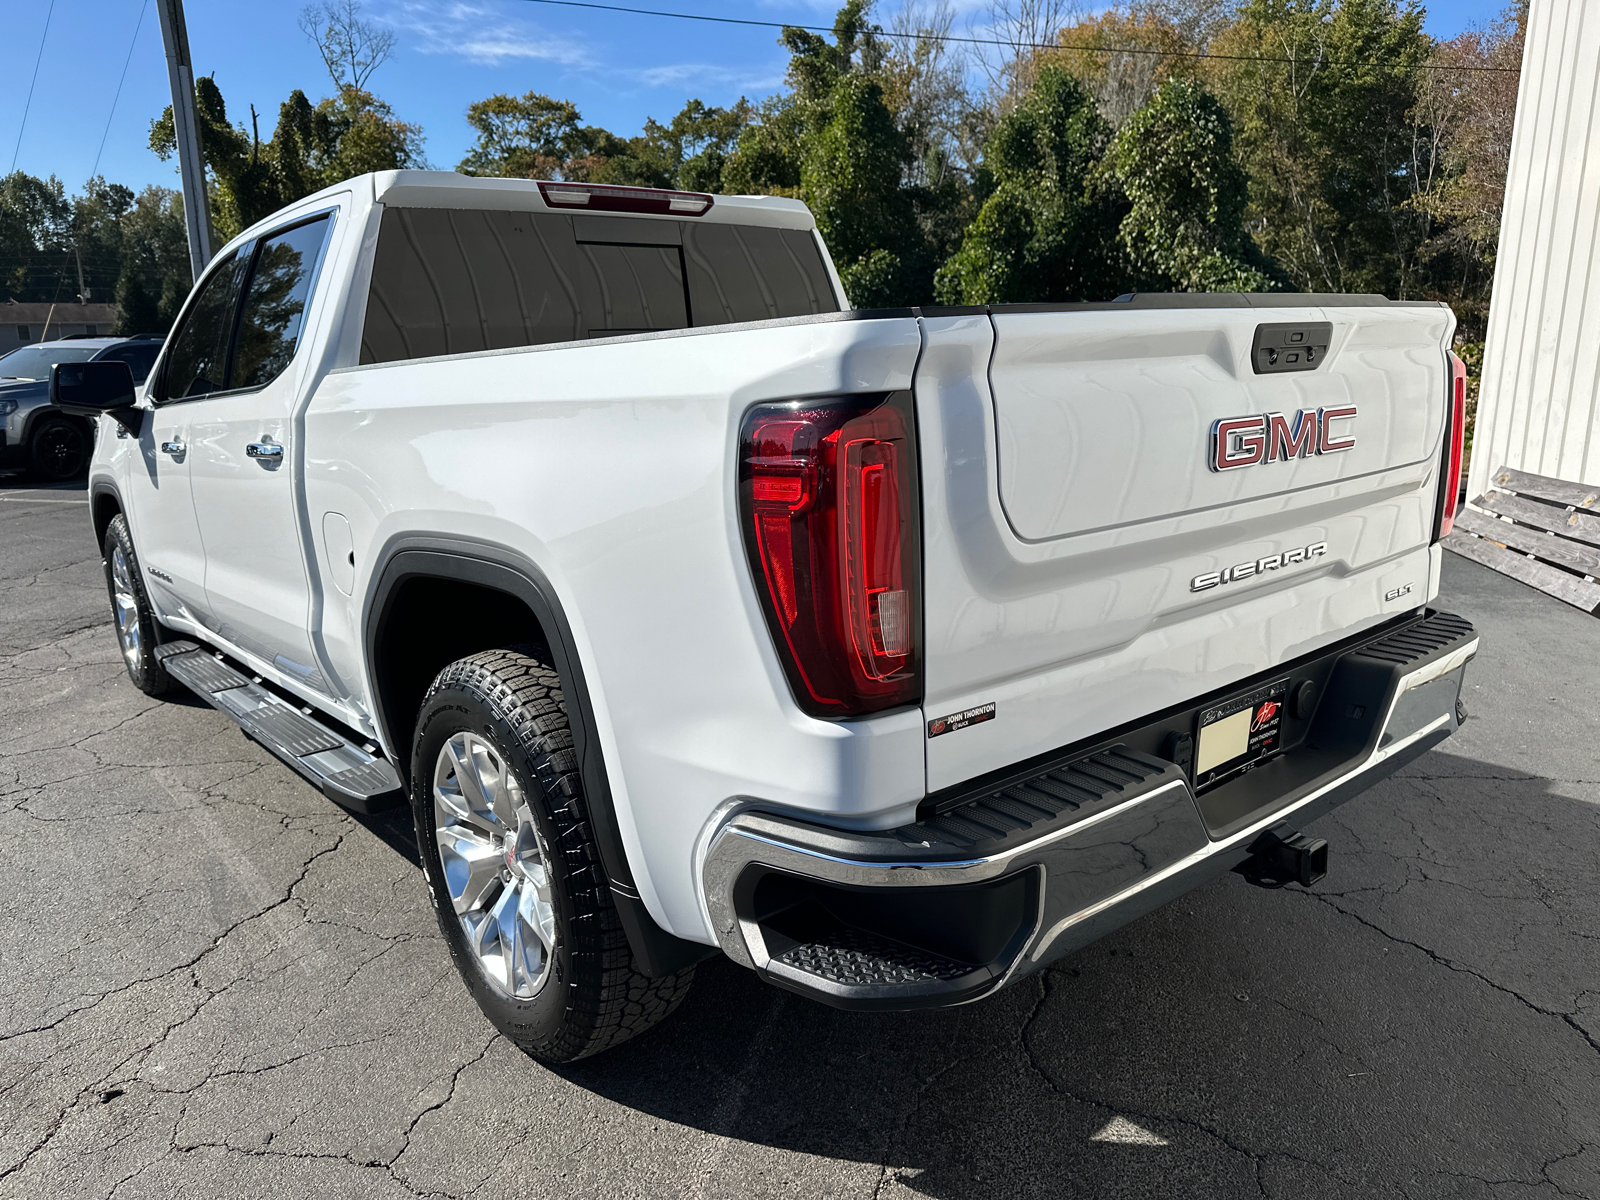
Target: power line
x,y
42,37
137,25
1014,45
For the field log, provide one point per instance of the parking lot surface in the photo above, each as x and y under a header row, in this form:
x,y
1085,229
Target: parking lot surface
x,y
215,983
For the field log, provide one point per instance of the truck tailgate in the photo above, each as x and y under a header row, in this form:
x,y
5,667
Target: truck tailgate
x,y
1079,538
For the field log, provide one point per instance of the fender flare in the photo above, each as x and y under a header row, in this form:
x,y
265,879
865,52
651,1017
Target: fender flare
x,y
97,489
410,556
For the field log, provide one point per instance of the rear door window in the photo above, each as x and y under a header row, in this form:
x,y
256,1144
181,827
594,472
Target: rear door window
x,y
457,281
198,363
275,303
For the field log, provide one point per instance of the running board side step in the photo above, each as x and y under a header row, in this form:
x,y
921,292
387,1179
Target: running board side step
x,y
348,773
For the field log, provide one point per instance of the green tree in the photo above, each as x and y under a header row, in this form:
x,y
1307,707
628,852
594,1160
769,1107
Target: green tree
x,y
153,278
835,143
1327,138
1185,226
771,153
533,136
850,176
1048,228
689,152
35,219
95,234
312,148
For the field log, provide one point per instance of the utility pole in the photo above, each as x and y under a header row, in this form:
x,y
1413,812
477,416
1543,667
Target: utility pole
x,y
180,72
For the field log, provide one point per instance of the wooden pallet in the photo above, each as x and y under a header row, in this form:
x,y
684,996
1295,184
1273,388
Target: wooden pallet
x,y
1542,532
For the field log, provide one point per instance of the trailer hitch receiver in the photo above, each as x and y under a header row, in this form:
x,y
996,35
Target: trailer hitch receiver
x,y
1281,856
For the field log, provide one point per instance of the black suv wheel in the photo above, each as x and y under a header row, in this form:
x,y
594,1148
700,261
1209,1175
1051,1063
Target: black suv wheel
x,y
58,448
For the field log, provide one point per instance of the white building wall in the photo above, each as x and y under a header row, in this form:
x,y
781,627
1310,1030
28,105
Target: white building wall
x,y
1538,405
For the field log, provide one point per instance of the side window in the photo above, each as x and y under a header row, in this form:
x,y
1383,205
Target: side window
x,y
198,363
275,303
139,358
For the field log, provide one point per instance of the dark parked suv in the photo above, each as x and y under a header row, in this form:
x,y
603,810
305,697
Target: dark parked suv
x,y
48,442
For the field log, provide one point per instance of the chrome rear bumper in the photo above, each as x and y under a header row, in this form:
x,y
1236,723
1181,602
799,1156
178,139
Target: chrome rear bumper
x,y
831,913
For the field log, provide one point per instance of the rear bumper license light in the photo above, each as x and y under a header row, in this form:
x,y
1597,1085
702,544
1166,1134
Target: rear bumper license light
x,y
829,506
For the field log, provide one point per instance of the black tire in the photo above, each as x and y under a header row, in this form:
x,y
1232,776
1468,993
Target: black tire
x,y
589,997
58,448
138,631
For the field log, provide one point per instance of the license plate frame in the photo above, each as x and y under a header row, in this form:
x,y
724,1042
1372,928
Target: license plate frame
x,y
1245,731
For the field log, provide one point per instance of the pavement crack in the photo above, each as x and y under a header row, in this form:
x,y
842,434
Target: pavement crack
x,y
1451,964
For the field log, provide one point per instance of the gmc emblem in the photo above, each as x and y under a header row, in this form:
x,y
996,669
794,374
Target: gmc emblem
x,y
1274,437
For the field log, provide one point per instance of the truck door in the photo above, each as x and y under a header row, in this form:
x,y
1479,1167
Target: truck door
x,y
242,448
160,501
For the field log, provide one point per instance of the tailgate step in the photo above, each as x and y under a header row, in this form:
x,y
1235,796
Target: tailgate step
x,y
348,772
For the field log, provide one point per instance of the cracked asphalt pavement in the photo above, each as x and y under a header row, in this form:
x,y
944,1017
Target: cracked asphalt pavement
x,y
216,983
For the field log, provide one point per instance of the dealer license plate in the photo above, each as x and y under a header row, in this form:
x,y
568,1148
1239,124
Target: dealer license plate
x,y
1239,733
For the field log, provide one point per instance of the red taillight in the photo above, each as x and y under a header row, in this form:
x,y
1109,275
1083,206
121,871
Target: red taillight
x,y
598,197
1450,485
828,498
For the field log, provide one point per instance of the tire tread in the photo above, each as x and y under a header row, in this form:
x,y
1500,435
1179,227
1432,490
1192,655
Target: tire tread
x,y
608,1000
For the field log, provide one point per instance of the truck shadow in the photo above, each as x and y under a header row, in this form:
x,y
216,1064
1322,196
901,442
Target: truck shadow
x,y
1237,1040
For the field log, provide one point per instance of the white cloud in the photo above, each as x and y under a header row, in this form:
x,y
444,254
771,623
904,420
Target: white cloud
x,y
479,35
704,74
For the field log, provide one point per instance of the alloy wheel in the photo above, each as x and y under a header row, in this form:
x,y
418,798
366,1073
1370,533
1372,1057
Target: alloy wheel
x,y
494,868
125,606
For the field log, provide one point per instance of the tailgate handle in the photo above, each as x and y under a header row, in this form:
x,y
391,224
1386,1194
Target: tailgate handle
x,y
1290,346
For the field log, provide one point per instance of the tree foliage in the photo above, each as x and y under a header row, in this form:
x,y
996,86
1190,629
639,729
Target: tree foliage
x,y
312,147
533,136
105,245
1158,144
1327,139
1185,226
1047,231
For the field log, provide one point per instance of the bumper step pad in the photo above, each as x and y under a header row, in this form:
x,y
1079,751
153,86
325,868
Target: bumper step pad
x,y
856,958
1439,631
1062,794
349,773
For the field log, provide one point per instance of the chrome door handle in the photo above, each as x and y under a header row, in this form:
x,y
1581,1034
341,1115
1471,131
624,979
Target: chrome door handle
x,y
173,448
268,451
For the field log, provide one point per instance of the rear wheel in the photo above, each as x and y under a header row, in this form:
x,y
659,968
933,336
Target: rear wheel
x,y
512,867
58,448
137,627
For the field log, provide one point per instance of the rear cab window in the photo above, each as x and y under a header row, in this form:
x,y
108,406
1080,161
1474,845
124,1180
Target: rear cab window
x,y
454,281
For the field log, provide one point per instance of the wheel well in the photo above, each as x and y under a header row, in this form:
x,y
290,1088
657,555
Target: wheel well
x,y
428,623
102,507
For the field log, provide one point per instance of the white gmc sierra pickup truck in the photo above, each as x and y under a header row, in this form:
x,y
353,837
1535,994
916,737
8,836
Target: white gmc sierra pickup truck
x,y
894,654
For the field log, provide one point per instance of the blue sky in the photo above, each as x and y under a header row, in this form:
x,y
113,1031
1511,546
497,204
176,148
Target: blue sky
x,y
617,69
